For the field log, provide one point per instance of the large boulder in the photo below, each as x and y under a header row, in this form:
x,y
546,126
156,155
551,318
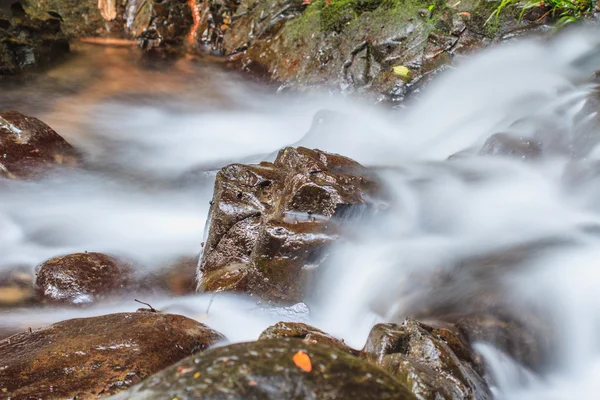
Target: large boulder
x,y
278,369
95,357
81,278
432,363
27,42
28,146
271,223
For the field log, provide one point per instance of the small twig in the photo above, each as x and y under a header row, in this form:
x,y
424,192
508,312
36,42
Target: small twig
x,y
152,309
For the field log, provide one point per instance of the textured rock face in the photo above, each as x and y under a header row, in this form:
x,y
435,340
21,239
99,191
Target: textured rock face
x,y
267,370
95,357
271,224
27,42
81,278
27,146
307,333
353,45
432,363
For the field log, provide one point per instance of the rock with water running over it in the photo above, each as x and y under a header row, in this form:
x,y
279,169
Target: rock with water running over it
x,y
28,146
95,357
81,278
503,144
276,369
307,333
28,41
271,223
432,363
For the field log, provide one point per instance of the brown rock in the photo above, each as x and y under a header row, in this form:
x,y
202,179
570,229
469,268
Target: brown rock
x,y
432,363
307,333
94,357
271,223
27,145
81,278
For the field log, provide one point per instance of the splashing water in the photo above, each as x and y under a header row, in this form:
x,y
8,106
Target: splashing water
x,y
154,139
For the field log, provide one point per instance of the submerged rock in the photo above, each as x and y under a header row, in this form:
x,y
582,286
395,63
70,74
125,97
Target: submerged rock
x,y
432,363
28,41
271,223
307,333
28,146
81,278
96,357
503,144
16,287
277,369
529,342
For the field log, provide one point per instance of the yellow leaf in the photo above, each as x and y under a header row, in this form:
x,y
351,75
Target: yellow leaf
x,y
402,71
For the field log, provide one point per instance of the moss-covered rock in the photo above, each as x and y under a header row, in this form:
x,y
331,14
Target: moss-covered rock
x,y
28,41
277,369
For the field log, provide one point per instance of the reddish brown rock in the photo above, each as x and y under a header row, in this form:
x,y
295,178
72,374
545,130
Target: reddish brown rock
x,y
271,223
81,278
27,146
94,357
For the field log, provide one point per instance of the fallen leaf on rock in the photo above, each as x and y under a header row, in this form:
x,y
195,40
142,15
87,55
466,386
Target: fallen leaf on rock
x,y
401,71
302,361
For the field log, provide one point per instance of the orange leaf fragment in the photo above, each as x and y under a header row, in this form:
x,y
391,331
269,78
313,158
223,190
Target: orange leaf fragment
x,y
465,14
306,2
302,361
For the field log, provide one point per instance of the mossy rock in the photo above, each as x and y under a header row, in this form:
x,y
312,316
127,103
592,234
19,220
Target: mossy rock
x,y
267,370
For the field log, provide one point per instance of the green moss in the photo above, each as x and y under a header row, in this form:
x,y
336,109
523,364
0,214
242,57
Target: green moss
x,y
337,14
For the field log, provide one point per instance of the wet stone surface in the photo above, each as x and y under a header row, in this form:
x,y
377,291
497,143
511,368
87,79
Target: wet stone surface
x,y
266,370
94,357
432,363
28,146
81,278
28,42
307,333
271,223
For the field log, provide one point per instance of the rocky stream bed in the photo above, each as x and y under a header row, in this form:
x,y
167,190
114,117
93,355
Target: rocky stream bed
x,y
340,258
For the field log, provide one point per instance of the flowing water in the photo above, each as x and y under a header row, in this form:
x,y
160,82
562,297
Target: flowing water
x,y
155,135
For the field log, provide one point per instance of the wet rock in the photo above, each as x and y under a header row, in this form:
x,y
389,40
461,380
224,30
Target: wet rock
x,y
353,45
82,18
271,223
27,146
16,287
162,24
266,370
503,144
28,42
95,357
432,363
528,342
176,278
81,278
307,333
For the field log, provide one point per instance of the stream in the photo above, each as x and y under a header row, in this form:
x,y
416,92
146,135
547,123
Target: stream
x,y
155,135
